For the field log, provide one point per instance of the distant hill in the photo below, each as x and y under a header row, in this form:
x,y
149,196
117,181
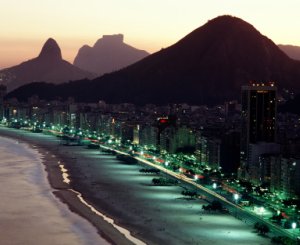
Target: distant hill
x,y
48,66
292,51
208,66
108,54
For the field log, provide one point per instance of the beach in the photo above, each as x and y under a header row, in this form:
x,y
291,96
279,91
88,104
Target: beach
x,y
29,212
153,214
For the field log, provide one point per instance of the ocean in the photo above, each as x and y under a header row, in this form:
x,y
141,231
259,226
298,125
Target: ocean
x,y
29,211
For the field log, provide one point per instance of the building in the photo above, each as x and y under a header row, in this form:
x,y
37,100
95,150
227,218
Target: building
x,y
285,176
230,151
208,150
148,136
163,123
258,124
290,177
258,165
177,139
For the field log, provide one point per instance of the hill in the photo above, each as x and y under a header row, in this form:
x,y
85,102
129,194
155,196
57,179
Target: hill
x,y
208,66
292,51
48,66
109,54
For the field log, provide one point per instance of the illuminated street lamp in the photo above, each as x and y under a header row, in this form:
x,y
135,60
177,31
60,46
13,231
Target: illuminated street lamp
x,y
261,211
294,226
214,185
236,197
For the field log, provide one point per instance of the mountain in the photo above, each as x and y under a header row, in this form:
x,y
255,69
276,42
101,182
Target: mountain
x,y
109,54
292,51
208,66
48,66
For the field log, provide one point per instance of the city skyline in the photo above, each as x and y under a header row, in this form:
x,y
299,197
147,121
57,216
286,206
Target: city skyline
x,y
196,140
145,26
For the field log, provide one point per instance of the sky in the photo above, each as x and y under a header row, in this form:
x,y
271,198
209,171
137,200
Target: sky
x,y
146,24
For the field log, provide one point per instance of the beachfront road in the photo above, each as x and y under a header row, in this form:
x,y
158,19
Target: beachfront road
x,y
236,210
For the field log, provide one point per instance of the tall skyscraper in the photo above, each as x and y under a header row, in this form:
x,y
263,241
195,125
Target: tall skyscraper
x,y
258,124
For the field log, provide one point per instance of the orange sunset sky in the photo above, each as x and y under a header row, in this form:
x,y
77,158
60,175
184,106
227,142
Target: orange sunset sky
x,y
150,25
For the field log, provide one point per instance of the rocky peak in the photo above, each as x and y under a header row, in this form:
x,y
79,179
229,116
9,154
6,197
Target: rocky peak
x,y
50,51
116,39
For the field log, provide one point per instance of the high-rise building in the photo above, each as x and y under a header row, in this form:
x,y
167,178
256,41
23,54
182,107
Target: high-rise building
x,y
285,176
258,121
208,150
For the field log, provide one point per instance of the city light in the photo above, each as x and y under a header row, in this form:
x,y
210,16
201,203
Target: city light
x,y
190,165
261,210
236,197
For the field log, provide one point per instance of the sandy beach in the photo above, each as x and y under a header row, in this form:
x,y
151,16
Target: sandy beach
x,y
29,211
153,214
51,159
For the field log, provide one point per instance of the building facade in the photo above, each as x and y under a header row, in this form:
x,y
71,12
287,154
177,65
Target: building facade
x,y
258,125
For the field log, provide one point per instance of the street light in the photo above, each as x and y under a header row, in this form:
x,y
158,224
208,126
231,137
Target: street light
x,y
214,185
294,226
261,211
236,197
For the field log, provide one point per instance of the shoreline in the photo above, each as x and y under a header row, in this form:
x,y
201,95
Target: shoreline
x,y
51,159
153,214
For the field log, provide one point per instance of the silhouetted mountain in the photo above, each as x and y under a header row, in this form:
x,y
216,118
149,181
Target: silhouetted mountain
x,y
207,66
48,66
108,54
50,51
292,51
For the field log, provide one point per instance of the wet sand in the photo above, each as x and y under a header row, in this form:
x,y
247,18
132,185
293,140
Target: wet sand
x,y
155,215
61,189
29,211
